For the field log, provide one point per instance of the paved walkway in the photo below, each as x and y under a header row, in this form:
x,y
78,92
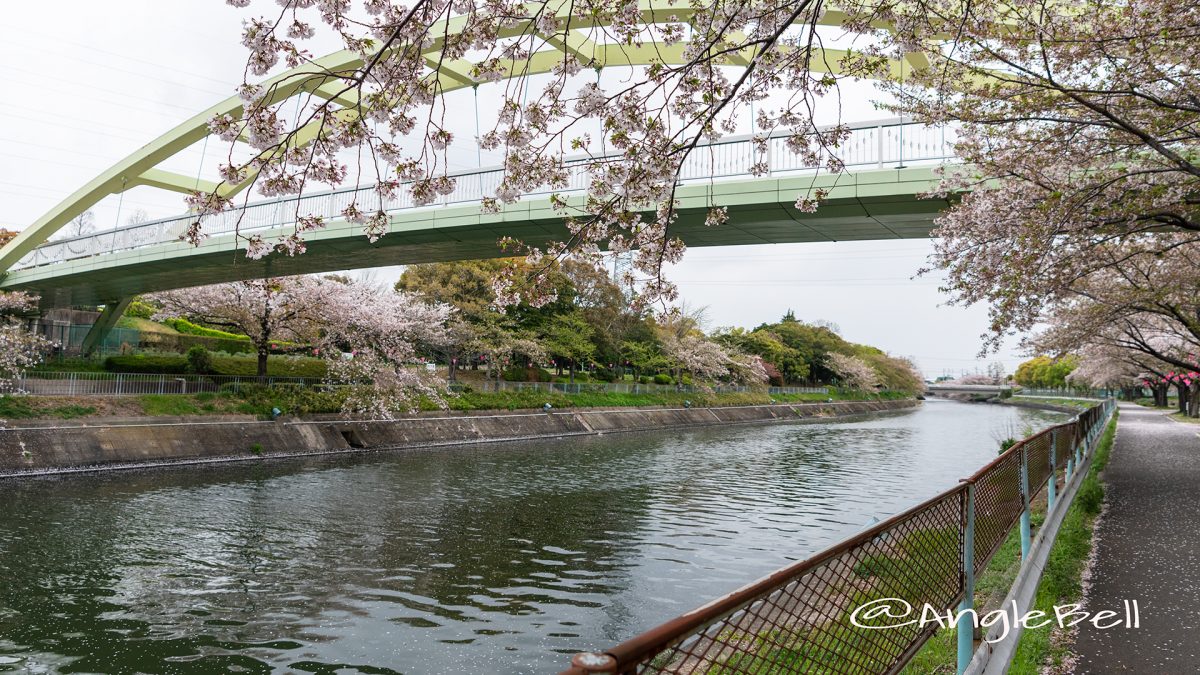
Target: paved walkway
x,y
1148,549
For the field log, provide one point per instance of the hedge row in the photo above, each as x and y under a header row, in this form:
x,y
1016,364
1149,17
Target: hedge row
x,y
170,364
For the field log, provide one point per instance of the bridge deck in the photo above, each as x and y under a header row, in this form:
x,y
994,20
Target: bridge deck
x,y
862,205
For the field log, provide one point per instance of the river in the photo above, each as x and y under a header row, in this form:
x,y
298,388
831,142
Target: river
x,y
492,559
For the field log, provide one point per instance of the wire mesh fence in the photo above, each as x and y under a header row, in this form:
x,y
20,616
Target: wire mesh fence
x,y
816,616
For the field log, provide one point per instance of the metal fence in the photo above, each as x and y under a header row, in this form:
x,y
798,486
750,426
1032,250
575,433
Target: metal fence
x,y
808,618
880,144
628,388
131,384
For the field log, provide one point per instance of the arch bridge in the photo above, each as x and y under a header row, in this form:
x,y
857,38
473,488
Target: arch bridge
x,y
890,164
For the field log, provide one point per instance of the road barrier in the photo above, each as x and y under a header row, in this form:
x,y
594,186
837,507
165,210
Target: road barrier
x,y
823,614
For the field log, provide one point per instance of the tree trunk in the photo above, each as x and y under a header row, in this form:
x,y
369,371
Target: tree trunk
x,y
263,351
571,371
1183,398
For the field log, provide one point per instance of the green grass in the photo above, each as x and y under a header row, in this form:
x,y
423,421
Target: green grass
x,y
188,328
24,407
253,399
67,412
70,365
1180,417
17,407
1082,404
145,325
1060,582
246,366
162,405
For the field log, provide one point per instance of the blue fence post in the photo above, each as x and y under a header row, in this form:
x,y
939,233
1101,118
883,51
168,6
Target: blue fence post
x,y
1026,535
966,623
1050,485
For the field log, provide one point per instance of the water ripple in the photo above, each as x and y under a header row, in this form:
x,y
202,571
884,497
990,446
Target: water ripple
x,y
493,560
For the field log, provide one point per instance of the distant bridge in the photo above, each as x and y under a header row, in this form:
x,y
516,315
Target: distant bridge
x,y
974,390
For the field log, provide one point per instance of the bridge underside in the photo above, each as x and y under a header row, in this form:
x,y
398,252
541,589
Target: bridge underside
x,y
868,205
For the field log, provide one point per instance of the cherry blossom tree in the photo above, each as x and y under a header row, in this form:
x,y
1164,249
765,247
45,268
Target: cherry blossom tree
x,y
1076,124
387,117
852,372
20,348
380,330
267,311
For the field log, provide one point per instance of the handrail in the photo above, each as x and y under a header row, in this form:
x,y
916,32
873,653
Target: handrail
x,y
736,155
801,616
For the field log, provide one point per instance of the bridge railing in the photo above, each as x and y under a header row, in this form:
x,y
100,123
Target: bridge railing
x,y
855,608
883,143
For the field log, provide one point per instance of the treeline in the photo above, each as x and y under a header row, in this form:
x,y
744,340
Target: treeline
x,y
589,325
1045,372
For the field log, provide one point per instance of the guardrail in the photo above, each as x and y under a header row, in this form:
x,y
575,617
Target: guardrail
x,y
881,143
132,384
808,617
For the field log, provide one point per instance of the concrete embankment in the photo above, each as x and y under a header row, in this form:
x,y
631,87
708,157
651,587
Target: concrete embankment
x,y
50,447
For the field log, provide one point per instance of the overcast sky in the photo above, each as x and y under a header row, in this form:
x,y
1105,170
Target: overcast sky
x,y
86,83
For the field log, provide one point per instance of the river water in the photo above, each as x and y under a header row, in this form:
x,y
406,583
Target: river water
x,y
495,559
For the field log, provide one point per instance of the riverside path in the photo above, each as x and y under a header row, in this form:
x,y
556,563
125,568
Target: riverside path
x,y
1148,549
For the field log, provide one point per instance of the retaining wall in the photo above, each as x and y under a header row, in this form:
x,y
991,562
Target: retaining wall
x,y
56,447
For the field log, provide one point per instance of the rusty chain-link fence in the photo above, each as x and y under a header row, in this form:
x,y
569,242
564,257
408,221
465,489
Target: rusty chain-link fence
x,y
799,619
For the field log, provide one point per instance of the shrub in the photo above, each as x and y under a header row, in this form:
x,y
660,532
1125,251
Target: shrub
x,y
663,378
140,309
644,379
146,363
605,374
287,366
188,328
199,360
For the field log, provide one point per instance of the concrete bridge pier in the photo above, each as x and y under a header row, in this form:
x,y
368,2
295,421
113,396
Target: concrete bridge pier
x,y
108,318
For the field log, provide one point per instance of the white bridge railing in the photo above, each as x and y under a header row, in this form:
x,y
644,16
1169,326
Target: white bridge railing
x,y
887,143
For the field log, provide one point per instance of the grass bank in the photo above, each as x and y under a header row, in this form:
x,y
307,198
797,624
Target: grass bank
x,y
1080,403
1060,583
259,400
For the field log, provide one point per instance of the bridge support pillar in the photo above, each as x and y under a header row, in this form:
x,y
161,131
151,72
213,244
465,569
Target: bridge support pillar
x,y
104,323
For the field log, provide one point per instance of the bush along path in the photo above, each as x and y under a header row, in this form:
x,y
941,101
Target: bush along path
x,y
1147,548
